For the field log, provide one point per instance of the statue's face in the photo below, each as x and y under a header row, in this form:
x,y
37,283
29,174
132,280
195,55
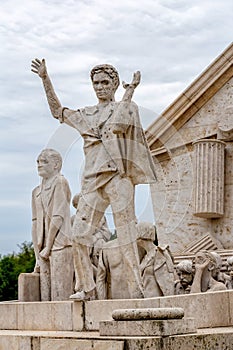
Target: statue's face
x,y
230,269
104,87
46,166
201,258
185,278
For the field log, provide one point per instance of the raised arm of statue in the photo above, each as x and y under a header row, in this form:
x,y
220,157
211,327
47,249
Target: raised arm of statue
x,y
129,88
39,67
122,116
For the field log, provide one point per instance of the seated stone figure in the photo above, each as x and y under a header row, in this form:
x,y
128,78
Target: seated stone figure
x,y
51,229
217,274
205,263
185,274
229,283
156,265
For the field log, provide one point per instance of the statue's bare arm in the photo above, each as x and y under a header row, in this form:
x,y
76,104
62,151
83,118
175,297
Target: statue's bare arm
x,y
39,67
129,88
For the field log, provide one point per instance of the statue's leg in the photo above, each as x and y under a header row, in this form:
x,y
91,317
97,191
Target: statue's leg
x,y
45,280
90,211
121,195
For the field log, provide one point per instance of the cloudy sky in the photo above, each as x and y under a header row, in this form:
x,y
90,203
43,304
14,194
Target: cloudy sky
x,y
170,41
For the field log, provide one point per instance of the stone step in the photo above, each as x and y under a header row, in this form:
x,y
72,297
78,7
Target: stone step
x,y
209,339
208,309
53,340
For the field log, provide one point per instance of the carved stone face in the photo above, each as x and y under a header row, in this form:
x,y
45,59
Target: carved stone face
x,y
201,258
46,166
104,87
230,269
185,278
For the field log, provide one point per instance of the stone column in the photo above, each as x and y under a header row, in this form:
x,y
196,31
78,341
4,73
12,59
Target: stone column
x,y
209,178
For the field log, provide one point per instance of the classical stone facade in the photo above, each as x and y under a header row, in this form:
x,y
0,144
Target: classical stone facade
x,y
202,112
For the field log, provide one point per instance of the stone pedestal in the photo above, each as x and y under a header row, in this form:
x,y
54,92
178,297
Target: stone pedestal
x,y
209,178
29,287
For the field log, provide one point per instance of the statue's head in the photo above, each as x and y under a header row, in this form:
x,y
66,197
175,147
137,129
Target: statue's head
x,y
230,265
210,260
184,272
49,163
217,261
105,80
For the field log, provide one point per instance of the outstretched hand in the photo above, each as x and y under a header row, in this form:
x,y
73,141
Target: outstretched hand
x,y
39,67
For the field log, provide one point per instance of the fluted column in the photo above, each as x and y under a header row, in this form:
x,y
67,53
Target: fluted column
x,y
209,178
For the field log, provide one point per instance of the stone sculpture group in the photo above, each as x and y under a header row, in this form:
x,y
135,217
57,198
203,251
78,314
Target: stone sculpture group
x,y
74,256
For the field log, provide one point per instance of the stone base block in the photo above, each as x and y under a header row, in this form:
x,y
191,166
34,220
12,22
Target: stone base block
x,y
147,327
29,287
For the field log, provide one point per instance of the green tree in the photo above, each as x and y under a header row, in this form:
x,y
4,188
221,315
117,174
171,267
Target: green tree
x,y
11,266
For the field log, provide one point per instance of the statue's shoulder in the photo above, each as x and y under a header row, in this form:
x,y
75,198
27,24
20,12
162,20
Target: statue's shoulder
x,y
36,191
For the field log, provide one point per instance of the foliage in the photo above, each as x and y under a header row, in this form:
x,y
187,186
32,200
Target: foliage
x,y
11,266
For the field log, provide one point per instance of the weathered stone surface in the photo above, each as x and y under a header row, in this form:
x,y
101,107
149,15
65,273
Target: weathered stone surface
x,y
46,316
77,344
29,287
8,315
173,193
16,343
99,310
148,314
208,309
147,327
78,316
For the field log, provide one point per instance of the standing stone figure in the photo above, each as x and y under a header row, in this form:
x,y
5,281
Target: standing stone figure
x,y
51,229
117,158
185,274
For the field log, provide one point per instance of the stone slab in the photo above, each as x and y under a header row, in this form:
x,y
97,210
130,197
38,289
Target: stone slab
x,y
18,343
45,316
8,315
79,344
147,327
209,309
99,310
206,339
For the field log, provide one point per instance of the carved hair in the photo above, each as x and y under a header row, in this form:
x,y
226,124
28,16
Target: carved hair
x,y
211,256
230,260
52,154
218,259
109,70
185,265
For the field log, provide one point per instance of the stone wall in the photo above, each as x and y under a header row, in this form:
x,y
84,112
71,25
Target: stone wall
x,y
173,194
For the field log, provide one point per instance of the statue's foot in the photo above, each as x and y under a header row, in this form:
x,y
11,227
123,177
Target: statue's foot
x,y
84,295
